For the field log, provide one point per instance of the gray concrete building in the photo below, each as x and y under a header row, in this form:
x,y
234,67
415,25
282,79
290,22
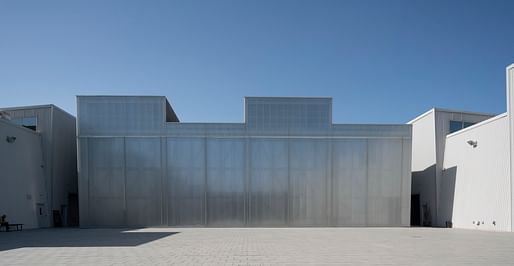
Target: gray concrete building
x,y
38,163
287,164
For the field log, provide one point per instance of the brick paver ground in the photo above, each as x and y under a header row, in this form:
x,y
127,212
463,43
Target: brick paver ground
x,y
256,246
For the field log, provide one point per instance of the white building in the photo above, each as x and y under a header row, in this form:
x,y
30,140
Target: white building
x,y
462,168
38,166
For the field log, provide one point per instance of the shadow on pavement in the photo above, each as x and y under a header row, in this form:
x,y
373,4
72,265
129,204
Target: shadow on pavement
x,y
74,237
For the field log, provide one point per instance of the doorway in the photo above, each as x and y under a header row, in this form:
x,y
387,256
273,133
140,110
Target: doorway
x,y
42,218
415,210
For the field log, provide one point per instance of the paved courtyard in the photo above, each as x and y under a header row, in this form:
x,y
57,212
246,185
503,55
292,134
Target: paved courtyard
x,y
253,246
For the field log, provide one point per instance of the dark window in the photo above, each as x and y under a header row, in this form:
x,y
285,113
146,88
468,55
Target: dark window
x,y
458,125
467,124
455,126
28,122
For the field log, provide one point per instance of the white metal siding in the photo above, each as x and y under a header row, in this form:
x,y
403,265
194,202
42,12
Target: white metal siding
x,y
482,182
22,184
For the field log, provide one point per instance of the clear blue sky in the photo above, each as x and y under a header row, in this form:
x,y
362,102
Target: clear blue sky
x,y
381,61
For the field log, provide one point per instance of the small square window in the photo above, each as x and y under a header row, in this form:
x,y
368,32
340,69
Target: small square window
x,y
455,126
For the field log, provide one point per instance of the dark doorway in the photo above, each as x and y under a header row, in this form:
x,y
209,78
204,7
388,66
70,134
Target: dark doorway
x,y
73,210
415,214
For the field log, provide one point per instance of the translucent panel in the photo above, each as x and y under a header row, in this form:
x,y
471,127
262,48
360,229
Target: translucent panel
x,y
106,181
186,174
406,182
276,115
393,131
309,163
384,182
226,182
143,181
268,182
349,182
286,166
205,129
83,181
120,115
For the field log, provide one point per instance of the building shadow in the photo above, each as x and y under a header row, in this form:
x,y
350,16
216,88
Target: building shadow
x,y
433,200
423,194
75,237
447,195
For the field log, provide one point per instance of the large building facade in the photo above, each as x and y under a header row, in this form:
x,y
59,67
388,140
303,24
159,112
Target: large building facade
x,y
462,167
286,165
429,132
38,166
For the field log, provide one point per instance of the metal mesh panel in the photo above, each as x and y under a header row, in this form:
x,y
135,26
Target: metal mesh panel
x,y
367,131
83,180
268,182
186,173
290,170
384,181
205,129
288,116
349,182
106,181
225,182
120,116
143,181
308,182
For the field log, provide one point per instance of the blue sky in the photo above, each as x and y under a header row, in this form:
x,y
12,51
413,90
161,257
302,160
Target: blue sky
x,y
381,61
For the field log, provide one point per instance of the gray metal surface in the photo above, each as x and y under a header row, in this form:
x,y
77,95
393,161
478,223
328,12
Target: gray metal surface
x,y
306,173
268,182
143,181
106,168
187,181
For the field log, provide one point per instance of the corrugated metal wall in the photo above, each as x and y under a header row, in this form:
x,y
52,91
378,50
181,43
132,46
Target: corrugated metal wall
x,y
227,175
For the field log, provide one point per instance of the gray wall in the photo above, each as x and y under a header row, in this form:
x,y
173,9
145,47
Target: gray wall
x,y
21,177
58,140
218,174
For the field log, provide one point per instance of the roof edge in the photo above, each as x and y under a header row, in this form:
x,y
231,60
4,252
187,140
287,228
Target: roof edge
x,y
477,125
40,106
421,116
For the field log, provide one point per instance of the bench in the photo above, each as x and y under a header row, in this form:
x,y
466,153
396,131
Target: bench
x,y
13,227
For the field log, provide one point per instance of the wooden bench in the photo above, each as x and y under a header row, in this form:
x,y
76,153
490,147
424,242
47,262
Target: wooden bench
x,y
13,227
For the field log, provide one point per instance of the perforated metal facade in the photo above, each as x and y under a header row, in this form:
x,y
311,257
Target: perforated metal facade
x,y
286,165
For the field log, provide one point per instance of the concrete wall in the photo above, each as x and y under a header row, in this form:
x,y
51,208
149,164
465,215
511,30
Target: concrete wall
x,y
22,176
475,184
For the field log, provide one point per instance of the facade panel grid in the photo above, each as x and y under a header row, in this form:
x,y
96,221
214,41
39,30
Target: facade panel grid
x,y
286,166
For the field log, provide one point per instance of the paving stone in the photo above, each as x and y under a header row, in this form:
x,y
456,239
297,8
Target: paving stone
x,y
256,246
